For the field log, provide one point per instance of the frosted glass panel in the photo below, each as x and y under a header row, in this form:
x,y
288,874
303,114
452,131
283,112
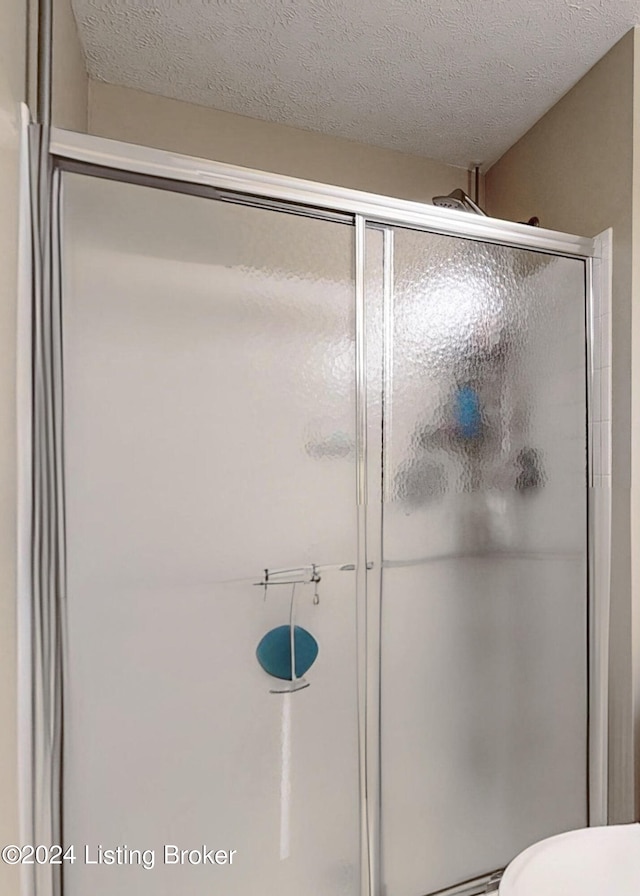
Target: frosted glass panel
x,y
209,370
484,596
209,434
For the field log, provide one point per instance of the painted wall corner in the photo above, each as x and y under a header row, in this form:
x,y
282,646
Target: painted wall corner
x,y
70,91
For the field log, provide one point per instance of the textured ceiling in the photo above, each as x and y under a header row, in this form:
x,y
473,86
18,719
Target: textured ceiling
x,y
455,80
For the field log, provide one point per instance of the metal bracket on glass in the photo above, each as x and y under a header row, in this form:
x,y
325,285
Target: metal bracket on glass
x,y
300,575
296,575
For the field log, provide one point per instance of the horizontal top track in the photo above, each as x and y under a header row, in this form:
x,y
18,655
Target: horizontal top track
x,y
132,160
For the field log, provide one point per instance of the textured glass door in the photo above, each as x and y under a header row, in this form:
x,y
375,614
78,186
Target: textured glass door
x,y
209,435
484,585
210,443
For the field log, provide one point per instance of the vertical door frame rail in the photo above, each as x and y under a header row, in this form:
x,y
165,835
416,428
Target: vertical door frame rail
x,y
139,164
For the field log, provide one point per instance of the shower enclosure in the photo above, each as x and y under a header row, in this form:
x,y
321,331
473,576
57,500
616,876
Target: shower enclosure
x,y
281,406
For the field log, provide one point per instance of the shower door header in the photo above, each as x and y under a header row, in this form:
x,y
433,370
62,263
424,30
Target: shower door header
x,y
131,159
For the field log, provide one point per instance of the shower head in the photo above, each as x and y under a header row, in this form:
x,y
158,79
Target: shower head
x,y
458,200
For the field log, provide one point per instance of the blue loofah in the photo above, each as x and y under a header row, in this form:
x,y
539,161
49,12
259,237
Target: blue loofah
x,y
274,652
468,414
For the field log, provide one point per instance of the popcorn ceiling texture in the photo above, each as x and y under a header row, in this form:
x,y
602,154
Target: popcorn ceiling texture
x,y
457,80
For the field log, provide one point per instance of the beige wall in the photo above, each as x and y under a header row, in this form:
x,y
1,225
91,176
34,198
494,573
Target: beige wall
x,y
635,420
69,110
574,169
69,105
137,117
13,21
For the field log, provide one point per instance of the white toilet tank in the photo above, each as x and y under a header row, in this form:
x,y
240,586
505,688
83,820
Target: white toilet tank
x,y
602,861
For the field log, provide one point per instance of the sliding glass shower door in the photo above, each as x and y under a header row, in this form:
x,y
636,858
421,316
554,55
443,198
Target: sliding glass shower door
x,y
325,492
209,435
484,583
